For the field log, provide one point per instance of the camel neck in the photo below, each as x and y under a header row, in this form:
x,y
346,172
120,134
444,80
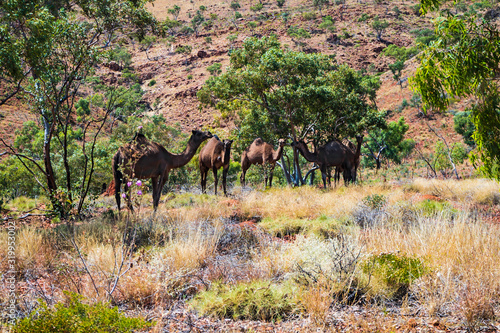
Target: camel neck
x,y
183,158
311,157
227,154
277,153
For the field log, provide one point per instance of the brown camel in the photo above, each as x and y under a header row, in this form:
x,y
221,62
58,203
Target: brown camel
x,y
356,157
260,152
143,159
332,154
214,155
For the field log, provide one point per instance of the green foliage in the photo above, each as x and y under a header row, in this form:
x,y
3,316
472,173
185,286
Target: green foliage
x,y
442,161
390,142
395,272
258,300
323,227
298,34
375,201
396,69
364,17
126,100
379,27
327,24
184,49
400,53
78,317
464,126
151,83
424,36
280,3
320,3
120,55
458,65
174,11
190,76
235,5
431,208
197,20
257,7
208,40
308,16
252,25
214,69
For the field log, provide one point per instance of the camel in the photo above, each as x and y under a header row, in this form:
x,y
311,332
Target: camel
x,y
356,157
143,159
332,154
214,155
260,152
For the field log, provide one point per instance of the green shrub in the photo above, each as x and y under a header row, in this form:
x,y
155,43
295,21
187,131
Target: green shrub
x,y
432,207
392,274
375,201
400,53
258,300
364,17
464,126
323,226
78,317
257,7
152,83
309,16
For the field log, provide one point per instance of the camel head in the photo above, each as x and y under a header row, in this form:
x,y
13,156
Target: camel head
x,y
359,139
227,143
199,136
298,144
281,142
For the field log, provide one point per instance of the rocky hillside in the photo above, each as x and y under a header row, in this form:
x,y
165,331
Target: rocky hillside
x,y
171,79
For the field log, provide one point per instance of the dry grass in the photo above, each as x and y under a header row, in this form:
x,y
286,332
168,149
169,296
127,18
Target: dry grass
x,y
482,191
192,243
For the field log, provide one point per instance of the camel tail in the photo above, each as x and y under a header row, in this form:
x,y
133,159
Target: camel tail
x,y
118,176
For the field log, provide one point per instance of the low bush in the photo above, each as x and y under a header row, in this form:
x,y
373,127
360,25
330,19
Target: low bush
x,y
78,317
258,300
392,274
432,207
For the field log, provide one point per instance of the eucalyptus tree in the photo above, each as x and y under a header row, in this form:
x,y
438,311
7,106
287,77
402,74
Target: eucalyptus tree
x,y
278,93
47,50
463,62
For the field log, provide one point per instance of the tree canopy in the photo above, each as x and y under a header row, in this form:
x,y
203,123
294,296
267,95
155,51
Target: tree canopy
x,y
275,92
463,62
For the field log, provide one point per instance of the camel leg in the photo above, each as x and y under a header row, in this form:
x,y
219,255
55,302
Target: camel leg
x,y
117,191
161,182
271,172
224,178
323,176
128,192
204,174
216,180
154,181
265,175
242,177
